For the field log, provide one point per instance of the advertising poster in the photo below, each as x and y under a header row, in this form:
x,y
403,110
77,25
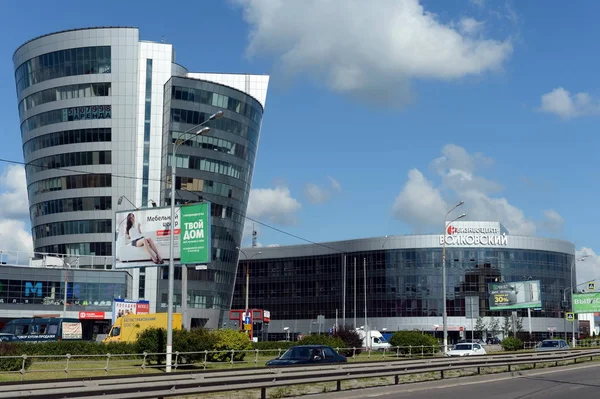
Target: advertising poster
x,y
127,307
515,295
142,237
72,330
195,234
586,303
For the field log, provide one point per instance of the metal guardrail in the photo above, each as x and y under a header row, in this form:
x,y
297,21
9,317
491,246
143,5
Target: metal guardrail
x,y
203,382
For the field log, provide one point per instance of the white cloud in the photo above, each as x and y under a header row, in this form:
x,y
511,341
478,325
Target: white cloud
x,y
14,238
13,199
566,105
275,205
316,194
335,184
478,3
588,268
422,205
553,221
470,26
369,52
419,203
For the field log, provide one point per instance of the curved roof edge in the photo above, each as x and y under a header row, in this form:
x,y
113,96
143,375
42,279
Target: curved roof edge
x,y
72,30
199,78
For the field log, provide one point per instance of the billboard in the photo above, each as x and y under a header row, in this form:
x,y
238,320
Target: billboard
x,y
586,303
123,307
515,295
142,236
195,233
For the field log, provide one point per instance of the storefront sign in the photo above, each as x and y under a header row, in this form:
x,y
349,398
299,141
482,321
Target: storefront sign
x,y
195,233
474,236
586,303
91,315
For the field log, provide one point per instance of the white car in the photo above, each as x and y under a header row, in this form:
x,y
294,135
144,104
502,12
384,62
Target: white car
x,y
466,349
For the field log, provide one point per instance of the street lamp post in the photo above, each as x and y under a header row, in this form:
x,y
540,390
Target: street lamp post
x,y
176,145
444,311
573,264
247,275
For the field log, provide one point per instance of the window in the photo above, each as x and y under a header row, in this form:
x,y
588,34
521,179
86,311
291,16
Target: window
x,y
75,249
72,227
215,144
69,183
68,160
66,115
70,205
58,64
64,93
67,137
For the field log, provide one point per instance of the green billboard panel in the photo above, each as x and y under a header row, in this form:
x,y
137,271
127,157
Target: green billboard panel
x,y
586,303
195,237
515,295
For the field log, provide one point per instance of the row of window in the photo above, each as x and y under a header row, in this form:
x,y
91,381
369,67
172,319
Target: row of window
x,y
211,165
82,90
82,248
210,187
215,144
72,227
69,183
58,64
228,125
65,137
66,115
218,211
147,120
71,205
67,160
217,100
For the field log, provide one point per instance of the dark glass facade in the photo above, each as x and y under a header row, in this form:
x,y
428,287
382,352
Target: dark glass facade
x,y
74,136
217,167
69,183
401,284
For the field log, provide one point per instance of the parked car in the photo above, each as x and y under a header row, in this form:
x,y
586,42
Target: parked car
x,y
7,337
466,349
307,354
552,345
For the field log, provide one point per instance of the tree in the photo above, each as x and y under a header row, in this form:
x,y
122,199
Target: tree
x,y
494,326
507,326
479,327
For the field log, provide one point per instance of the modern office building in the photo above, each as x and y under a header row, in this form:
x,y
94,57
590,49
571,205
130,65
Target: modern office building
x,y
403,285
99,112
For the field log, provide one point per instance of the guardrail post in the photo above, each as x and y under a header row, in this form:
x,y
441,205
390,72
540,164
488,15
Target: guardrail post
x,y
338,385
256,359
396,380
68,356
478,370
422,351
23,369
107,363
353,353
409,350
509,368
384,350
176,360
263,393
144,362
442,374
205,359
232,354
397,351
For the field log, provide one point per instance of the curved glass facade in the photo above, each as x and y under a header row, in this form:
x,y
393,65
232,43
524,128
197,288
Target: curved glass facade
x,y
69,183
75,136
403,285
70,205
75,249
72,227
70,159
83,90
58,64
218,167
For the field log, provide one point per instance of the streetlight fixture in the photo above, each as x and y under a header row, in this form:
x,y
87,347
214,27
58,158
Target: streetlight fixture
x,y
176,145
247,274
575,260
444,311
122,197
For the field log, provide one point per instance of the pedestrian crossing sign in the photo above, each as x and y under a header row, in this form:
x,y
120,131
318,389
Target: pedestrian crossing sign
x,y
591,286
570,316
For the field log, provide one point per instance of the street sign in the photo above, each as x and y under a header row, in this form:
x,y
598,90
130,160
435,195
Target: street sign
x,y
248,327
591,286
570,316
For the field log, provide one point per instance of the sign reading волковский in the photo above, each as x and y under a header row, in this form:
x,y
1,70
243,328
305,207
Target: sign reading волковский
x,y
195,236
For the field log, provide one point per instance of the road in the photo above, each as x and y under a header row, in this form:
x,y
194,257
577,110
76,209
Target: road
x,y
554,383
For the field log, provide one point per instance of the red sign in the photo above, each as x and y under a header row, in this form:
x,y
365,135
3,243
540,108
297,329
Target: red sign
x,y
462,329
91,315
142,308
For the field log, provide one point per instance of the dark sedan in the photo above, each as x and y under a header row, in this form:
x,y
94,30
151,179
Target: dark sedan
x,y
307,354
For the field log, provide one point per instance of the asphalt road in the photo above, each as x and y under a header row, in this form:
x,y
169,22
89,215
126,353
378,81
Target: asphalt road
x,y
560,382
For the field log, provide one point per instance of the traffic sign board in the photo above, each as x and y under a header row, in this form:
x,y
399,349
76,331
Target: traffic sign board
x,y
570,316
591,286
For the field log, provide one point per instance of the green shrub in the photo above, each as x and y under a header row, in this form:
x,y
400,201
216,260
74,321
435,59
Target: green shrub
x,y
411,342
511,344
61,348
152,340
322,339
351,340
273,345
195,342
12,364
227,340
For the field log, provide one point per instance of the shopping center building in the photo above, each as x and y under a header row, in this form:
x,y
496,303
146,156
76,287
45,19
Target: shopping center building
x,y
99,112
403,285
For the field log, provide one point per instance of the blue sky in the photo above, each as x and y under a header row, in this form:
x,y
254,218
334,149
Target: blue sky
x,y
381,115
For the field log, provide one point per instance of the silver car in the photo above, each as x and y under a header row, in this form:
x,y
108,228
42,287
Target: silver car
x,y
552,345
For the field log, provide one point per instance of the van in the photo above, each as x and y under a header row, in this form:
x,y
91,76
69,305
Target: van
x,y
45,329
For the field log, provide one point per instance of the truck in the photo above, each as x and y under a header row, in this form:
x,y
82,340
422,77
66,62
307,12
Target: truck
x,y
373,339
127,328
